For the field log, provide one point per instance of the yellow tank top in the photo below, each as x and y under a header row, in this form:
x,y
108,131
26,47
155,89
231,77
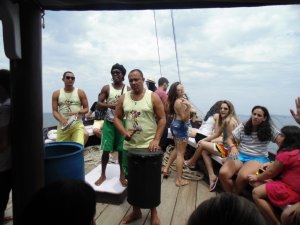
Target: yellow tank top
x,y
140,116
69,102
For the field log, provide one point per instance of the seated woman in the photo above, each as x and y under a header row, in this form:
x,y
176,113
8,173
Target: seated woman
x,y
206,129
286,189
253,138
227,121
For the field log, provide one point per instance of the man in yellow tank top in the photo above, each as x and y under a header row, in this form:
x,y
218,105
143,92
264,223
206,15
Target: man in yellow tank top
x,y
111,139
69,103
145,122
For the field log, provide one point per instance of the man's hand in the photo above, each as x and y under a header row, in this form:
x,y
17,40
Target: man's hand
x,y
154,146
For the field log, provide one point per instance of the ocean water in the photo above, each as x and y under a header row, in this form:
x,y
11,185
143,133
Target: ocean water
x,y
279,121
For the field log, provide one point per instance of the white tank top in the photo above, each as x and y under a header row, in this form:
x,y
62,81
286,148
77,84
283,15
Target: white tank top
x,y
207,126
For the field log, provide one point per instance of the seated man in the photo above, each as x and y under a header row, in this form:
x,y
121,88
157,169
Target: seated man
x,y
98,119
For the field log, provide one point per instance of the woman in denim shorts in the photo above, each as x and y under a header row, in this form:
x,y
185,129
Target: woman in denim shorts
x,y
179,107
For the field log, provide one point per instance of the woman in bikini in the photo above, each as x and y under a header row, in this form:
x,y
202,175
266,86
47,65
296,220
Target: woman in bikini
x,y
178,106
227,121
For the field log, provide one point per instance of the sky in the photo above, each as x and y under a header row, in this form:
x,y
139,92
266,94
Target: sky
x,y
250,56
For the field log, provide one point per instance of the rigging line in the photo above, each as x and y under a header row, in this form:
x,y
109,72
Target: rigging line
x,y
157,43
174,36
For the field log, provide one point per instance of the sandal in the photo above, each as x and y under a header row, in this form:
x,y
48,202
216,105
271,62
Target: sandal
x,y
186,164
213,184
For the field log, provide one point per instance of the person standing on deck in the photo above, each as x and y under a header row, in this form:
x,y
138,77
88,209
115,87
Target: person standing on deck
x,y
145,122
111,137
163,85
69,103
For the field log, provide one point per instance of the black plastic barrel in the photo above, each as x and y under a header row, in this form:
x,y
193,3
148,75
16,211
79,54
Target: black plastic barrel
x,y
63,160
144,178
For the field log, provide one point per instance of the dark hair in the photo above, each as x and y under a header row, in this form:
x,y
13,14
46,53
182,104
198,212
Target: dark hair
x,y
291,138
213,110
162,80
151,86
62,202
226,208
172,96
264,130
66,73
137,70
118,67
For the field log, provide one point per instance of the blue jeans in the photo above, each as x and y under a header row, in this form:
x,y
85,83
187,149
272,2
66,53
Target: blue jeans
x,y
180,129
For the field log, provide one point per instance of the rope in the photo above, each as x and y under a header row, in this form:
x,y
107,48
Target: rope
x,y
174,36
157,43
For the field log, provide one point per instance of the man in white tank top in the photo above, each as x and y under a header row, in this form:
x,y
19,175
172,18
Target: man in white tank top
x,y
67,103
111,139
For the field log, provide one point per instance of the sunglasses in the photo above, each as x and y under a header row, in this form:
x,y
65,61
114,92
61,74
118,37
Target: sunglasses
x,y
115,72
70,78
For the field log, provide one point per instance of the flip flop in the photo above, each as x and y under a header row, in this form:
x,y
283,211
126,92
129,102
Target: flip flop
x,y
213,185
185,163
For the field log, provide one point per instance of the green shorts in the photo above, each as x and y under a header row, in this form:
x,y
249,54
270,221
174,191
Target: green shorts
x,y
75,133
111,139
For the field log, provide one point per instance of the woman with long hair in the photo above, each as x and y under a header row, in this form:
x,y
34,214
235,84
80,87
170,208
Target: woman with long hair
x,y
227,121
179,107
253,138
206,129
286,189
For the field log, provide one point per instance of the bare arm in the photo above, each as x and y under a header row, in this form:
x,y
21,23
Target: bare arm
x,y
159,111
55,112
272,171
182,109
296,114
84,102
118,120
103,95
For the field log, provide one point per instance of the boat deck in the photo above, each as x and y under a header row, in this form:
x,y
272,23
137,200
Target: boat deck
x,y
177,203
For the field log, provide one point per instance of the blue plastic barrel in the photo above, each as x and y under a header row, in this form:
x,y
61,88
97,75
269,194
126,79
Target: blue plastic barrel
x,y
63,160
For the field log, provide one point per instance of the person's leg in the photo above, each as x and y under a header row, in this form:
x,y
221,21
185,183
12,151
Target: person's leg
x,y
226,173
154,217
180,148
260,198
291,215
119,140
242,181
192,161
134,215
77,131
106,147
86,136
166,169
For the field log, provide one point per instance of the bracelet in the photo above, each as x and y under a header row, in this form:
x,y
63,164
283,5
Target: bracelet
x,y
231,146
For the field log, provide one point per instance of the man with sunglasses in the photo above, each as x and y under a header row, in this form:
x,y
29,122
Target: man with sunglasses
x,y
111,138
69,104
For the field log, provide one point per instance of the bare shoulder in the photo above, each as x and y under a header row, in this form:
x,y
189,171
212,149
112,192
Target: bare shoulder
x,y
56,93
81,92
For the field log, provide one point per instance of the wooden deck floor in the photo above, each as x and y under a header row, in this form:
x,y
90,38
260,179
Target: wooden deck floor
x,y
176,203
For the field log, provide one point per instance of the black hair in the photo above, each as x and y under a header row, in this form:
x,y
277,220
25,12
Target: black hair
x,y
66,73
119,67
264,130
151,86
162,80
172,96
213,110
62,202
291,138
226,209
137,70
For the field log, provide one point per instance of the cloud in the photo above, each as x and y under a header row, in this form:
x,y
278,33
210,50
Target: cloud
x,y
247,55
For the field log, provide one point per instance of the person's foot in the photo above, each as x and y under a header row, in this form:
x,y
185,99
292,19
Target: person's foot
x,y
213,183
123,181
132,217
166,173
100,181
188,164
155,219
181,182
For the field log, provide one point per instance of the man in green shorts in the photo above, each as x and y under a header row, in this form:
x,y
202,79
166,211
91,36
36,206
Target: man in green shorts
x,y
111,138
